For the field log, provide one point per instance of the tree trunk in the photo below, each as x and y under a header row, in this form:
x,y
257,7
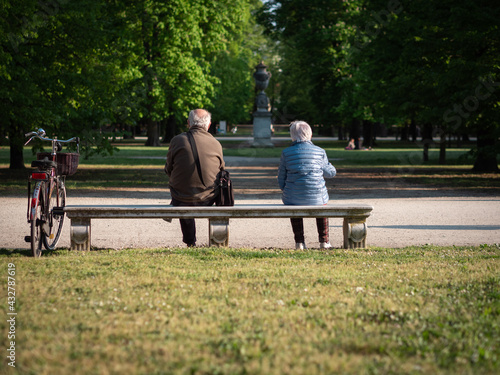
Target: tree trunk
x,y
368,134
404,131
486,159
341,133
413,130
427,140
442,148
149,39
170,129
16,142
153,133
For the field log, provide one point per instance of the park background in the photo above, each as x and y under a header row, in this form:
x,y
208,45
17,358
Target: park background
x,y
427,71
416,80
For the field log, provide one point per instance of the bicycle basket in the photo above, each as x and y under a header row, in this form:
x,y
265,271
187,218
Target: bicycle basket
x,y
67,162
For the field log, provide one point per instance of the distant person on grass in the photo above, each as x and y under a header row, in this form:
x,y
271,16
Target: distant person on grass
x,y
301,176
351,145
186,186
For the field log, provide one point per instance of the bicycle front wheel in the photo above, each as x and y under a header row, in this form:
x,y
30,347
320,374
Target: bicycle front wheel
x,y
57,199
37,220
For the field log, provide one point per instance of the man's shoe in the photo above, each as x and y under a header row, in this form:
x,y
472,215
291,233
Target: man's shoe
x,y
300,246
191,244
325,245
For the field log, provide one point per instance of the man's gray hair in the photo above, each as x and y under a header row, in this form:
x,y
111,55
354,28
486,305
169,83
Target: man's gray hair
x,y
200,118
300,131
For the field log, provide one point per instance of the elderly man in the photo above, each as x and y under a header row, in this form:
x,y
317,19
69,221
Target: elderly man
x,y
190,185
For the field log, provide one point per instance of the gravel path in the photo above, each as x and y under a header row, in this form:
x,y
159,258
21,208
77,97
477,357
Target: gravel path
x,y
403,214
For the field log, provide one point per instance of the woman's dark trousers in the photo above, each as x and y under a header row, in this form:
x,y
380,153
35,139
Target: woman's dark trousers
x,y
298,229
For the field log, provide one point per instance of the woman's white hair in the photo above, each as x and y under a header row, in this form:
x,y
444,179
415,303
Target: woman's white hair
x,y
300,131
200,118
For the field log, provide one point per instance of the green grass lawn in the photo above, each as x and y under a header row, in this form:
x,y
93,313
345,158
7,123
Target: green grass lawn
x,y
388,154
417,310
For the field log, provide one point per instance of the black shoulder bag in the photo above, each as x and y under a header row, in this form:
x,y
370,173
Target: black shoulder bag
x,y
225,196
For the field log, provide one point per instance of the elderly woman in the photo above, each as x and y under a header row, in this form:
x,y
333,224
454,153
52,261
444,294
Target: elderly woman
x,y
301,176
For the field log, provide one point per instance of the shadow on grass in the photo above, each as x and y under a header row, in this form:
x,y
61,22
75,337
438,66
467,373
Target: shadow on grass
x,y
15,252
27,252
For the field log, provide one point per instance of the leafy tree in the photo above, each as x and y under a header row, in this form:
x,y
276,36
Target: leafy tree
x,y
424,60
309,34
78,67
410,62
53,73
173,42
234,67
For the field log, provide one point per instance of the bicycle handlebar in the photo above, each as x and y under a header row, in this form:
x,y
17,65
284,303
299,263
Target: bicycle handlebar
x,y
40,134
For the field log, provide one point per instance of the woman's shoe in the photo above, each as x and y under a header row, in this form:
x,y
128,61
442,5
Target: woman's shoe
x,y
300,246
325,245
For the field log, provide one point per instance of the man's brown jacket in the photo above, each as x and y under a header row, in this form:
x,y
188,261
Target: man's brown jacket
x,y
185,184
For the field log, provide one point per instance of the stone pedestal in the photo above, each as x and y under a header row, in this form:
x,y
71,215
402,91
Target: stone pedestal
x,y
218,231
262,129
262,115
354,233
80,234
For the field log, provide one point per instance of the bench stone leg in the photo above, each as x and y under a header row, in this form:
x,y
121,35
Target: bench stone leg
x,y
354,233
218,232
80,234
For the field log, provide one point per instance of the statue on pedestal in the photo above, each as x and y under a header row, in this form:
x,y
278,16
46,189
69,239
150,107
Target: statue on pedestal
x,y
262,115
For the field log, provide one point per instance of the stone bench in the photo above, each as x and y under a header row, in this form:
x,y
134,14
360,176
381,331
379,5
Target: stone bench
x,y
354,216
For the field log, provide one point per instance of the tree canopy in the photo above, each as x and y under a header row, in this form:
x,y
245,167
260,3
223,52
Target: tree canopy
x,y
76,67
432,63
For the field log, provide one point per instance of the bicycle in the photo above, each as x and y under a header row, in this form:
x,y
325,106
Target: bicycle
x,y
48,198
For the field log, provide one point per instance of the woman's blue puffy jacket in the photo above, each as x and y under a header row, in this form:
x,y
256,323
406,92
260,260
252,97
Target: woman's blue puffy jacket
x,y
302,172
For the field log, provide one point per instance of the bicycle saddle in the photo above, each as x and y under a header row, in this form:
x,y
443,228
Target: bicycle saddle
x,y
43,164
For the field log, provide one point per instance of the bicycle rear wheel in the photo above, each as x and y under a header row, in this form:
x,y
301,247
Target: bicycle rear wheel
x,y
36,220
57,199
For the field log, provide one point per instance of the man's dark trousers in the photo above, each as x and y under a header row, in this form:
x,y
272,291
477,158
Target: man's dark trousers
x,y
188,226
